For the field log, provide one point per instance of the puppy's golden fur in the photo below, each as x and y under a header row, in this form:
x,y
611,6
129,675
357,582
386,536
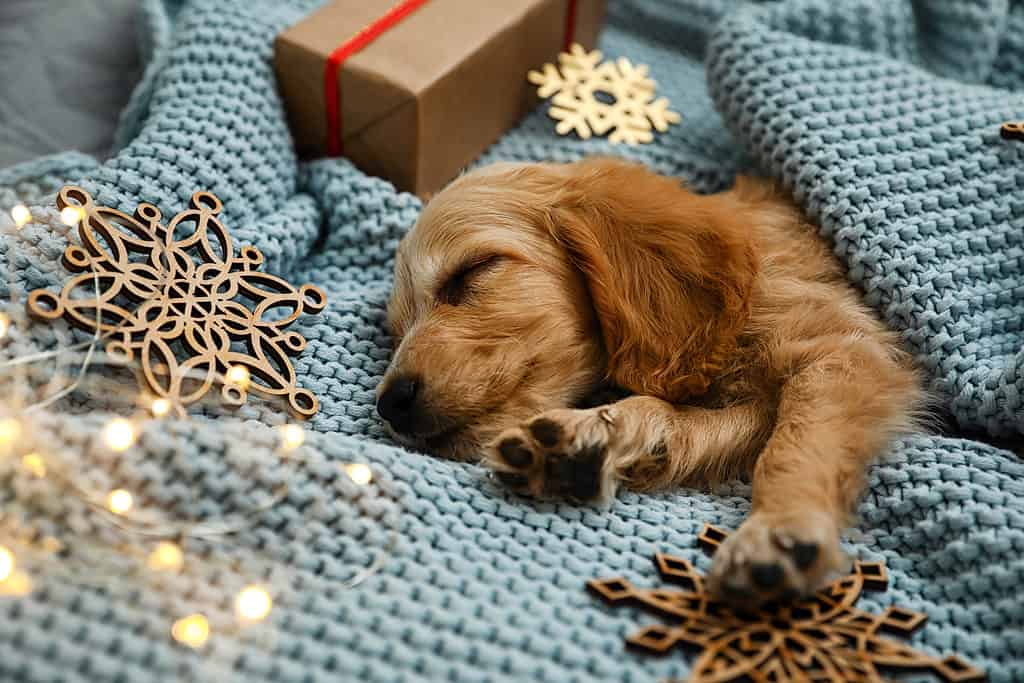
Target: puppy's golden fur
x,y
525,287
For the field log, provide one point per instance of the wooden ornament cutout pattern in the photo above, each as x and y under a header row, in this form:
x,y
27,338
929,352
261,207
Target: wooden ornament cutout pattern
x,y
592,97
1012,130
173,297
820,639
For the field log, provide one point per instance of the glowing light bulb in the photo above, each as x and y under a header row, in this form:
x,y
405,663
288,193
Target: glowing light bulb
x,y
253,604
33,462
10,429
160,407
359,473
238,375
166,557
119,434
120,501
70,215
16,585
292,436
6,563
5,325
21,215
193,630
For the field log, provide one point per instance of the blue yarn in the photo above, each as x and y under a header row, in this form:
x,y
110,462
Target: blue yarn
x,y
883,122
905,172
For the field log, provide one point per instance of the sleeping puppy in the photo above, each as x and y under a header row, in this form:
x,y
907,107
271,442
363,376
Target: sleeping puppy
x,y
524,288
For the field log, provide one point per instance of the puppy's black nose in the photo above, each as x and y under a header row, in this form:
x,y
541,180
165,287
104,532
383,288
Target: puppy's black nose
x,y
397,403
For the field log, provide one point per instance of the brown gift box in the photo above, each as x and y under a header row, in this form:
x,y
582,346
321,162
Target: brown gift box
x,y
433,90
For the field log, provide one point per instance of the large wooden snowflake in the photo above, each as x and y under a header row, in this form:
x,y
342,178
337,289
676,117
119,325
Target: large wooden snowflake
x,y
592,97
178,299
821,639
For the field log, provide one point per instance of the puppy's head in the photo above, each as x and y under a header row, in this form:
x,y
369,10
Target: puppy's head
x,y
523,287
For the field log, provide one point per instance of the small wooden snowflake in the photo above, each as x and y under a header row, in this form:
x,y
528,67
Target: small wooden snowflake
x,y
592,97
819,639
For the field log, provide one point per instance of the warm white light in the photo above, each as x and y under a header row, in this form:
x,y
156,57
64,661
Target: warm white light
x,y
70,215
166,557
16,585
119,434
120,501
5,324
292,436
21,215
160,407
253,604
34,464
359,473
6,563
10,429
193,630
238,375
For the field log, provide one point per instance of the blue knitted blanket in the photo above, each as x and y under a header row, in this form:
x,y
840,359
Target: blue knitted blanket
x,y
881,117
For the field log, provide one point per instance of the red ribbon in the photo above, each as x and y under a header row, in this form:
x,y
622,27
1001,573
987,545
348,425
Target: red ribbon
x,y
332,97
570,26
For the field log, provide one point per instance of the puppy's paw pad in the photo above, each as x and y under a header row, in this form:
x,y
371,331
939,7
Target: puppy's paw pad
x,y
577,475
546,432
514,451
767,575
803,553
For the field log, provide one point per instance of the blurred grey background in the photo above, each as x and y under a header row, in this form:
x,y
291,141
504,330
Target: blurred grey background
x,y
67,68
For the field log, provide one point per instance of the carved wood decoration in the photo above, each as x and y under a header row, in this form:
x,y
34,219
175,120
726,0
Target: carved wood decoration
x,y
1012,130
823,638
180,301
613,98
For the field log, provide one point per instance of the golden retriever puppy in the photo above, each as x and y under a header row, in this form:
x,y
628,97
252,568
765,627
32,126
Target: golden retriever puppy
x,y
523,288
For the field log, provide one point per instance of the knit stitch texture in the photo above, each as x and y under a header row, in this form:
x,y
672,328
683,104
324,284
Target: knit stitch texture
x,y
881,118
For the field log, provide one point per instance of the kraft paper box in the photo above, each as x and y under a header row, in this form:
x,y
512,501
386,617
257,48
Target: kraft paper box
x,y
414,91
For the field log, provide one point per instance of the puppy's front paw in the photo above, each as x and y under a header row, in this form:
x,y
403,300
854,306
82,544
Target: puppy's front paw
x,y
774,557
559,453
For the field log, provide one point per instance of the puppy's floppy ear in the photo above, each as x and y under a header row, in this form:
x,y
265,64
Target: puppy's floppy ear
x,y
670,273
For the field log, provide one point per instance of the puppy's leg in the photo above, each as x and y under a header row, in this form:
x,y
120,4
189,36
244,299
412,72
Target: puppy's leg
x,y
834,415
640,442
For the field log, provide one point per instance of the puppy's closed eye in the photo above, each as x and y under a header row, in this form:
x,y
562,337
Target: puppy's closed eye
x,y
458,287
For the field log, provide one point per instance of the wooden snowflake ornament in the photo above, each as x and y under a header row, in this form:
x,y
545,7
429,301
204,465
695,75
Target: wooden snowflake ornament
x,y
592,97
820,639
1012,130
177,299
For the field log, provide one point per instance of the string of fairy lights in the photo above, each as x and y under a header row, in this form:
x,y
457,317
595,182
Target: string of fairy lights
x,y
158,547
